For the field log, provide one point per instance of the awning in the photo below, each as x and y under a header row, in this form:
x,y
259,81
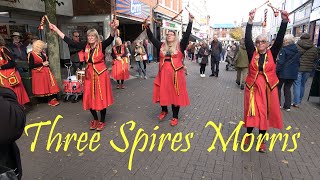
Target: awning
x,y
193,38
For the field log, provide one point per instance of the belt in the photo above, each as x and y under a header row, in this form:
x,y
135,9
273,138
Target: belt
x,y
167,60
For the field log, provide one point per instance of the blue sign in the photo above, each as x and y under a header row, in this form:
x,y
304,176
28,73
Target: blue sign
x,y
133,8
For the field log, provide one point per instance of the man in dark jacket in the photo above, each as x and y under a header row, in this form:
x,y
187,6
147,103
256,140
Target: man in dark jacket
x,y
287,68
76,55
308,56
216,49
12,124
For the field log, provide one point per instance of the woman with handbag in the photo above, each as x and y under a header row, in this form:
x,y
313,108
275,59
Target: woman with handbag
x,y
120,63
140,55
170,84
203,56
9,76
43,82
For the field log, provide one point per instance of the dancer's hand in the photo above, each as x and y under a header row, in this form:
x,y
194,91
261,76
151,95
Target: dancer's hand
x,y
191,17
53,27
252,14
284,15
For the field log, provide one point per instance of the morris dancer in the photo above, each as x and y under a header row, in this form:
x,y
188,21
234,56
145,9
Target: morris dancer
x,y
9,76
170,84
43,81
97,94
261,102
120,64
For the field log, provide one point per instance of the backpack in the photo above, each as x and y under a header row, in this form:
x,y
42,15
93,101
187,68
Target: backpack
x,y
13,118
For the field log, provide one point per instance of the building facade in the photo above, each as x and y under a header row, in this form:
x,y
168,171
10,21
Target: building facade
x,y
315,22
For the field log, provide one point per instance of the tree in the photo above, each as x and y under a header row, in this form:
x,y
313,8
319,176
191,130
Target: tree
x,y
52,39
236,33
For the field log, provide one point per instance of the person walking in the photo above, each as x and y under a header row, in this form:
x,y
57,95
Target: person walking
x,y
216,49
287,68
241,64
204,55
309,56
140,55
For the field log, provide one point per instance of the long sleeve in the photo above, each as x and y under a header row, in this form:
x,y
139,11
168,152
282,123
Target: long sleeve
x,y
153,40
11,63
31,62
248,41
71,43
113,55
281,61
107,42
185,39
279,40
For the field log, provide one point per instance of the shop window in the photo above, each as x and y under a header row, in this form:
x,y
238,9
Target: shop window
x,y
316,33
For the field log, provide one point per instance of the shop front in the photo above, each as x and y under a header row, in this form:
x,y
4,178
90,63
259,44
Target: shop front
x,y
315,22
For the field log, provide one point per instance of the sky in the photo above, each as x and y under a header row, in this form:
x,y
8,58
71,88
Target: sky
x,y
227,11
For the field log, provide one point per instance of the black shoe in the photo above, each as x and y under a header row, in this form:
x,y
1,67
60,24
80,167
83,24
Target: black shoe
x,y
238,83
216,75
211,75
242,87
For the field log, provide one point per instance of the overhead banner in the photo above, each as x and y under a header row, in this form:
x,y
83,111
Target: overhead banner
x,y
133,8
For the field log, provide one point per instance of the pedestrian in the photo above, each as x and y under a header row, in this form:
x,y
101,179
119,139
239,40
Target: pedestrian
x,y
9,76
120,63
17,48
140,55
287,68
308,59
13,120
241,64
261,101
127,45
97,93
170,83
76,55
203,55
216,49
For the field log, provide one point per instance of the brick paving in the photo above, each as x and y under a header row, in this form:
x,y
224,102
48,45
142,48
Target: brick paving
x,y
216,99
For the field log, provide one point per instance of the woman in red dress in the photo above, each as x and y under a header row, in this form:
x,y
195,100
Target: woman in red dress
x,y
9,76
43,81
120,67
97,94
261,102
170,84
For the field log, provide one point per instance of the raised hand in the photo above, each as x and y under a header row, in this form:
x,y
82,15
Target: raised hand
x,y
252,14
191,17
53,27
284,15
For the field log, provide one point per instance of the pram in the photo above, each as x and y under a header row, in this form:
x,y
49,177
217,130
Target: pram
x,y
230,65
73,85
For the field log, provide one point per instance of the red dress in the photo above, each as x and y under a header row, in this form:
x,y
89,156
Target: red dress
x,y
120,68
43,81
97,94
12,76
170,83
261,102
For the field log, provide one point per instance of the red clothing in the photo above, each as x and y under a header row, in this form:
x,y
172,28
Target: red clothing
x,y
97,94
170,83
13,76
43,81
261,102
120,68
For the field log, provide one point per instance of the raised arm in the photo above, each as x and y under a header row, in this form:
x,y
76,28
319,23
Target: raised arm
x,y
248,36
185,39
280,35
153,40
107,42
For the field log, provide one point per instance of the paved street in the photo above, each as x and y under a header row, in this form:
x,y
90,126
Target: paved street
x,y
216,99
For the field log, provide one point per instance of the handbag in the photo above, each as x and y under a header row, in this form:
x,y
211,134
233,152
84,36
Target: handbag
x,y
145,57
150,57
199,60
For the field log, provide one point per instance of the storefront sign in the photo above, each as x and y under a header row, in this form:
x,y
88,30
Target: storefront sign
x,y
171,25
133,8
